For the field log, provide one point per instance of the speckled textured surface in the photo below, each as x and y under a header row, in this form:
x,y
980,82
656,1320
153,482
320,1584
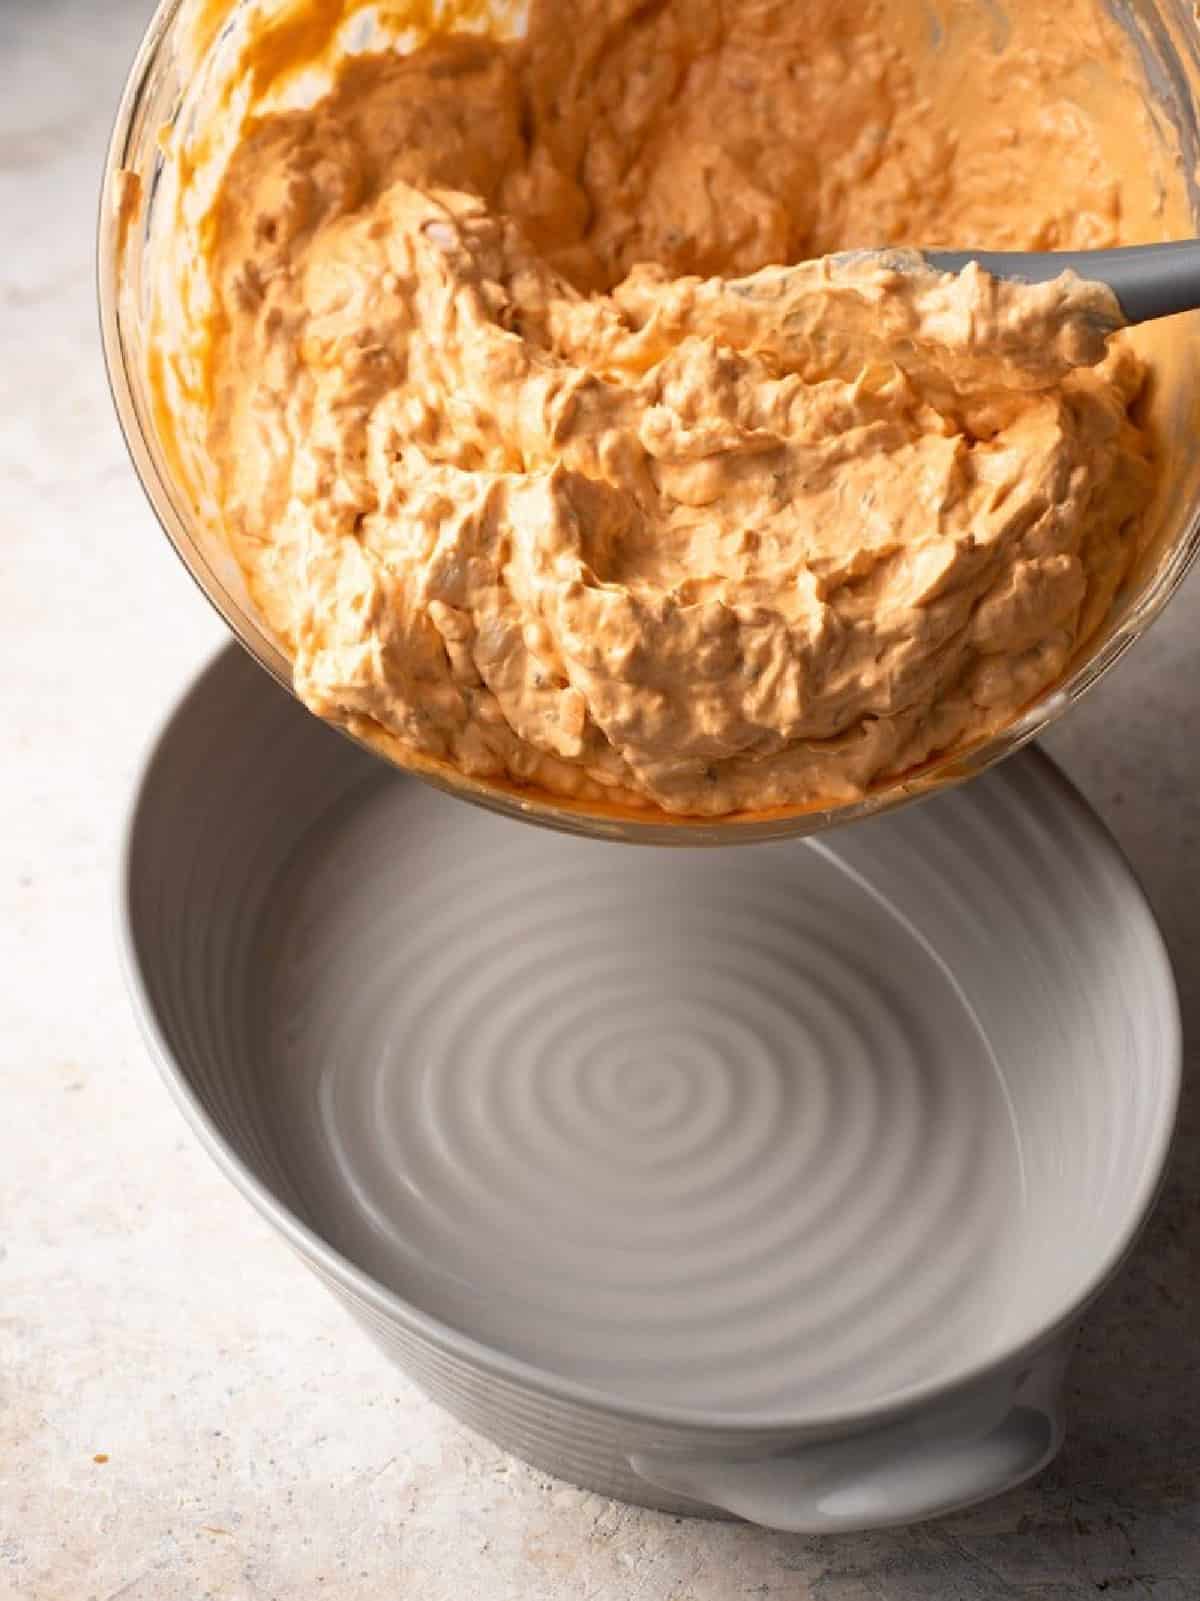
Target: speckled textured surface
x,y
256,1445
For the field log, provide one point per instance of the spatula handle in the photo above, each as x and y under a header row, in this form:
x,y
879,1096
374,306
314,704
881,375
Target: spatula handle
x,y
1148,280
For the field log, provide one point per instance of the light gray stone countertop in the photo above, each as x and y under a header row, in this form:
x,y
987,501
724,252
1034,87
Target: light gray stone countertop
x,y
184,1411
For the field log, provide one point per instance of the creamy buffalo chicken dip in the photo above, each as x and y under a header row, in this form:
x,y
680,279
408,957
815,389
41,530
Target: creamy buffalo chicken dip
x,y
582,417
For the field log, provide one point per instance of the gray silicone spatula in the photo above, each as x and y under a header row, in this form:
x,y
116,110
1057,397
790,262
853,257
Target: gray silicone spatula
x,y
1148,280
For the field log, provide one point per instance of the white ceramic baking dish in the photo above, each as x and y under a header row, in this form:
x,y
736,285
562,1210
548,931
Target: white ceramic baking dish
x,y
770,1182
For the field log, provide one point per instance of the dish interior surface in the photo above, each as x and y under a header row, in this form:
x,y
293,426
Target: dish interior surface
x,y
770,1134
724,1135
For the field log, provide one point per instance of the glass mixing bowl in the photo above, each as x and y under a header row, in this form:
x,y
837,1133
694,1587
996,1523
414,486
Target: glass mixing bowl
x,y
183,47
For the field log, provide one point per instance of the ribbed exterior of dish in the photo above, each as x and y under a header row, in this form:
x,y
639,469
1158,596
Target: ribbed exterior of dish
x,y
585,1446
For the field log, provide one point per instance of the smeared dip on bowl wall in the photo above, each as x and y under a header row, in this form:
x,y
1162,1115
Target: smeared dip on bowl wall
x,y
541,463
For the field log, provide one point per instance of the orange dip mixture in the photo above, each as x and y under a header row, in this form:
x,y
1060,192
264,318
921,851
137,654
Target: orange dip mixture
x,y
539,457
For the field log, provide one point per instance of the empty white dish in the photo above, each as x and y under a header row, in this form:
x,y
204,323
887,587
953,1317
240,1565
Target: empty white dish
x,y
769,1182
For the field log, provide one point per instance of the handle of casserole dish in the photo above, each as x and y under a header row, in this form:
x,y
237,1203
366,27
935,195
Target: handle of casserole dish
x,y
903,1473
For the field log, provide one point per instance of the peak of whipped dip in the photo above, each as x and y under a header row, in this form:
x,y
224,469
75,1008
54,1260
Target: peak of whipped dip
x,y
542,461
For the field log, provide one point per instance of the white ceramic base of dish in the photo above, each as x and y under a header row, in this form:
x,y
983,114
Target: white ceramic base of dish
x,y
944,1459
750,1181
